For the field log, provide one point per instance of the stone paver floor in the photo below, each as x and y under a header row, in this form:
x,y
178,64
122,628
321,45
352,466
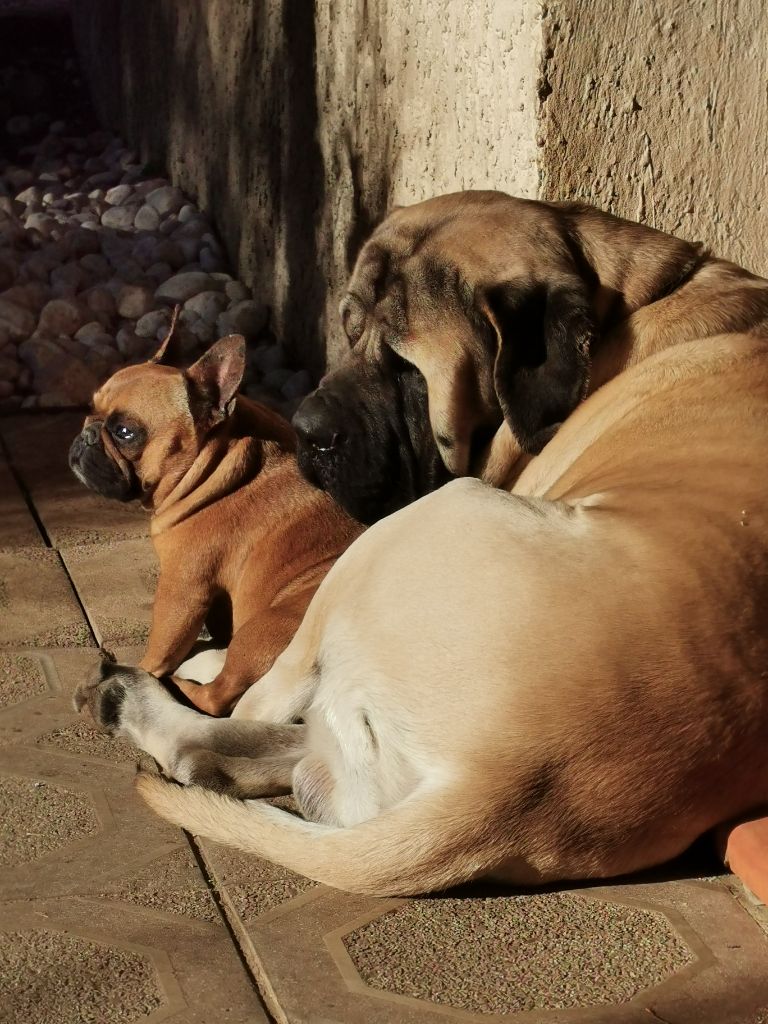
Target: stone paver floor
x,y
108,914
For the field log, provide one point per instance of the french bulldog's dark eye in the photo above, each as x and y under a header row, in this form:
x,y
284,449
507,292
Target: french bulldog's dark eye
x,y
121,432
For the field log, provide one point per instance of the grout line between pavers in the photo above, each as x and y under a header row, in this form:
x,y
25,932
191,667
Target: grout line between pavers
x,y
26,495
24,492
91,625
202,865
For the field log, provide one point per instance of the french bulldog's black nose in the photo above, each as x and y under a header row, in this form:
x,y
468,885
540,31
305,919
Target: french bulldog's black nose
x,y
90,434
316,423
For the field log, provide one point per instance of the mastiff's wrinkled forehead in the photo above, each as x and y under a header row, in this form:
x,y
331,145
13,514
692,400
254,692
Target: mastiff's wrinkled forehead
x,y
463,311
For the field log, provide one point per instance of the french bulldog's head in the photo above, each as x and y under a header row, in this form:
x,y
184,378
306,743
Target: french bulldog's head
x,y
149,422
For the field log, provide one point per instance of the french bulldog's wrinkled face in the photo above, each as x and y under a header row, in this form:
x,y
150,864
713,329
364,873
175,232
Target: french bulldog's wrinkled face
x,y
150,421
141,428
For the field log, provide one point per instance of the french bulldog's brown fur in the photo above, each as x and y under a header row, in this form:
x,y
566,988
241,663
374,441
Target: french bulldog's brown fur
x,y
233,522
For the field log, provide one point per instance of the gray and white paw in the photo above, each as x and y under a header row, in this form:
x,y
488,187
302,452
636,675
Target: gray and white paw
x,y
109,692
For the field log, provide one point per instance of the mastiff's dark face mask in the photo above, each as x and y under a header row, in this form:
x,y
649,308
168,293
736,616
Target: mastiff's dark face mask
x,y
365,438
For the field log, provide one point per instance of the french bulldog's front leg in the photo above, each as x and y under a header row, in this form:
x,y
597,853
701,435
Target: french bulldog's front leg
x,y
178,614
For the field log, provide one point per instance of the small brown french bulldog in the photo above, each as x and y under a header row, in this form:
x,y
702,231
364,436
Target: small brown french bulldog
x,y
242,539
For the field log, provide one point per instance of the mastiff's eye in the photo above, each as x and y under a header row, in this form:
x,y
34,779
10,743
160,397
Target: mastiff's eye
x,y
121,432
352,318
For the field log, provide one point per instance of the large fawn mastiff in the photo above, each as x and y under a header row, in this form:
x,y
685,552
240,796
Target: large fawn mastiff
x,y
568,680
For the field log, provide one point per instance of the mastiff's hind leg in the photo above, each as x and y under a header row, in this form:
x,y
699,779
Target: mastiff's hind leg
x,y
247,757
268,774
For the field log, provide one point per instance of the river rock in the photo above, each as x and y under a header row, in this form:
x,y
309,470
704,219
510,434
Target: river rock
x,y
147,218
134,301
18,321
33,194
68,278
19,296
90,330
266,357
235,291
167,199
159,272
149,324
169,252
184,286
118,217
61,316
101,302
79,242
118,195
95,264
40,223
276,379
9,369
208,305
246,317
129,344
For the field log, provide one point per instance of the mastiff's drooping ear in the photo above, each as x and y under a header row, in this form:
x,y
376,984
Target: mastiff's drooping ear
x,y
541,372
214,379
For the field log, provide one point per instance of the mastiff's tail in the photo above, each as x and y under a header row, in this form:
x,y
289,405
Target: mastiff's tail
x,y
423,844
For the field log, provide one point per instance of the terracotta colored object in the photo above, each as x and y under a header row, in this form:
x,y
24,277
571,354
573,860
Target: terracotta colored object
x,y
744,848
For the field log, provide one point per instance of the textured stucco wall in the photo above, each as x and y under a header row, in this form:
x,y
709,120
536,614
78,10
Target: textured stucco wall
x,y
658,111
297,124
419,97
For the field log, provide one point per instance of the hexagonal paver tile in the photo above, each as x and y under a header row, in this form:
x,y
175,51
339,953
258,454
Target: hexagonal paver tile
x,y
21,677
173,884
116,583
679,951
36,688
84,738
252,886
71,514
39,817
48,975
37,605
181,969
550,951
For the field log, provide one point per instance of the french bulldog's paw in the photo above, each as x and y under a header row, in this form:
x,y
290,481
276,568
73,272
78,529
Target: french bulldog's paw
x,y
111,693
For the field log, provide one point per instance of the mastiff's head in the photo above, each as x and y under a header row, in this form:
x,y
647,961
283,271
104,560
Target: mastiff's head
x,y
461,312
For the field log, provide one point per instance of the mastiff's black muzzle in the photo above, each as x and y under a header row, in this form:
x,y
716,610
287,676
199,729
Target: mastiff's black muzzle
x,y
364,437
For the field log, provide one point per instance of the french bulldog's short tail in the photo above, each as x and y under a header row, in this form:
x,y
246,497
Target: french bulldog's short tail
x,y
423,844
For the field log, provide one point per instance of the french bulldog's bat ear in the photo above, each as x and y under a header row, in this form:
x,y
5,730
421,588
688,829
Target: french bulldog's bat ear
x,y
167,353
216,376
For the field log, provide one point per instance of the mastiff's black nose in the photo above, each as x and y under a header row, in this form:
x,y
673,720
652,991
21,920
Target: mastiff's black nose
x,y
316,424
